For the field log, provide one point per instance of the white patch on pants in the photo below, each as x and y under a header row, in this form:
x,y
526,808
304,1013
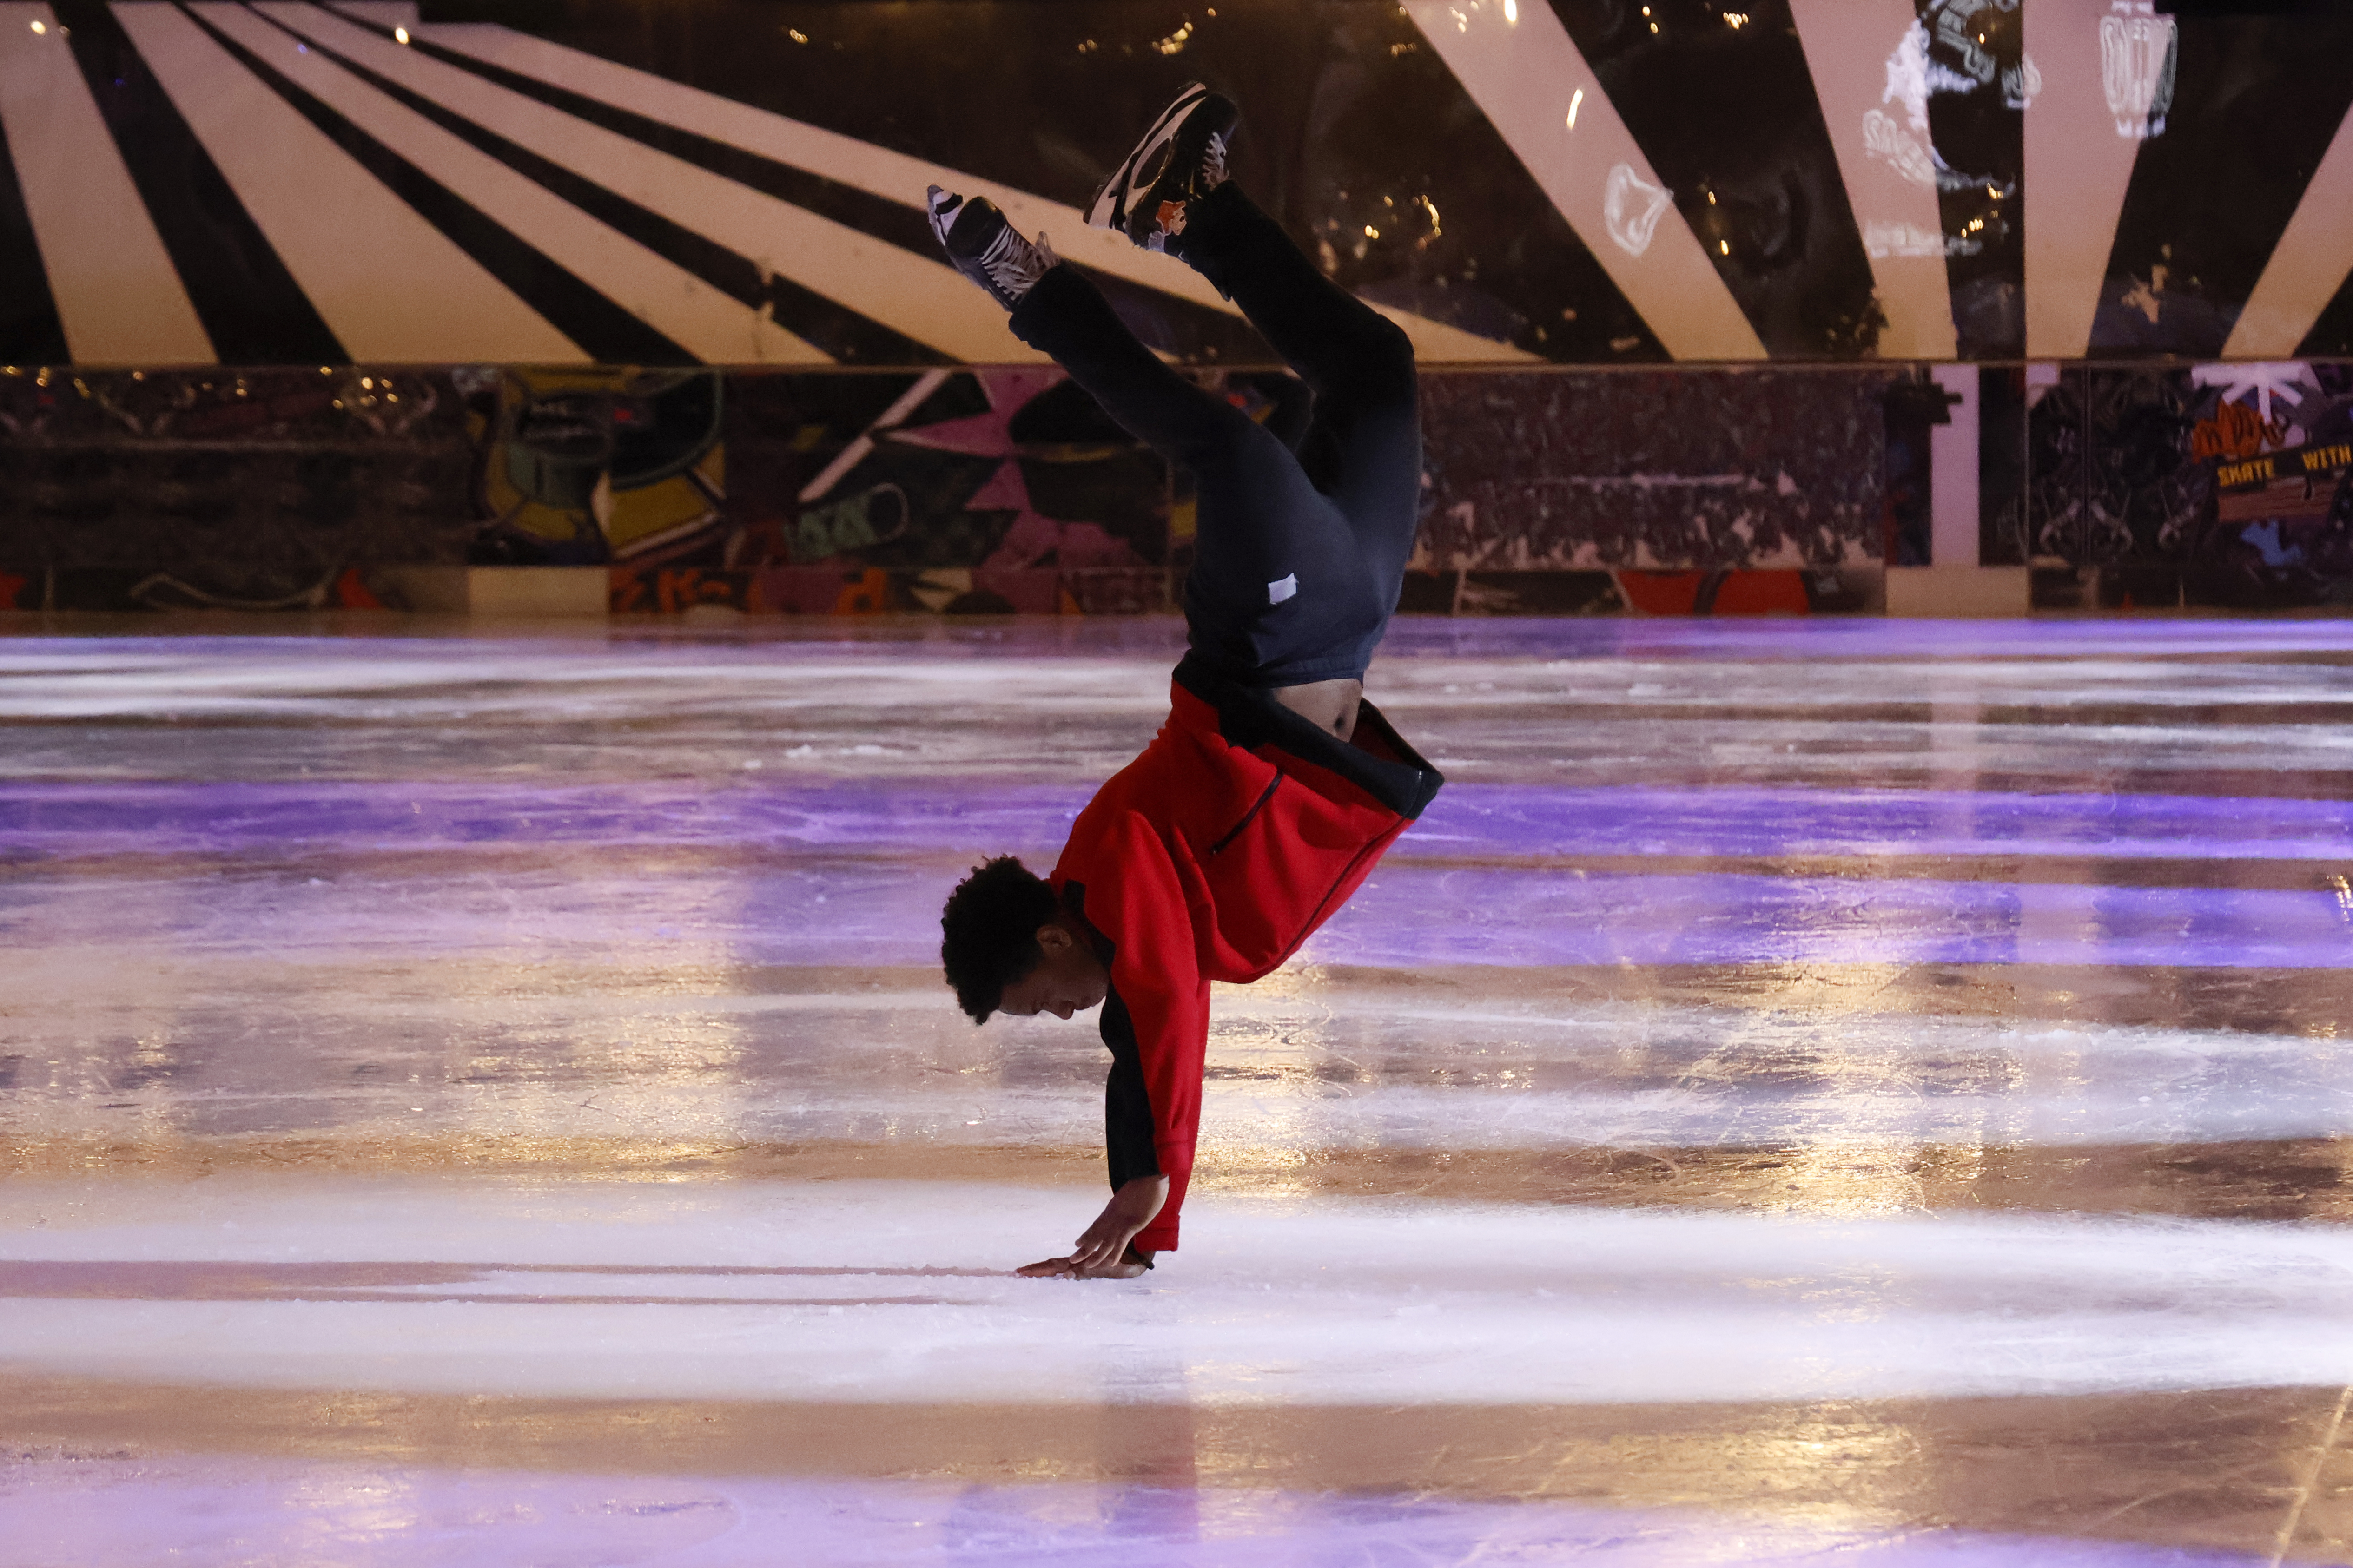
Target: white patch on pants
x,y
1276,592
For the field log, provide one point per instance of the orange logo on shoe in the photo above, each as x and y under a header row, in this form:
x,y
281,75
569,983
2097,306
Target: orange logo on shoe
x,y
1171,217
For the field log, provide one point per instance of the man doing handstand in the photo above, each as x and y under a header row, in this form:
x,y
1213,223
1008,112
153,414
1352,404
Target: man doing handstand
x,y
1274,787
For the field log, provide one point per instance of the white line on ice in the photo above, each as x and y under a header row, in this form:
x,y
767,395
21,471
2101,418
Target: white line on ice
x,y
1329,1302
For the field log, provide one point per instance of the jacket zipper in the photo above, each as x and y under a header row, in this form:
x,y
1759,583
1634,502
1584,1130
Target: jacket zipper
x,y
1248,818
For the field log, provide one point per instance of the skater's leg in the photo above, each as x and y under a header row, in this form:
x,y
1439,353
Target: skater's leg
x,y
1363,446
1279,584
1342,347
1065,317
1273,561
1053,309
1171,193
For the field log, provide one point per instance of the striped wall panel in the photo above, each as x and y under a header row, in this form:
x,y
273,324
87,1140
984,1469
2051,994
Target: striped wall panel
x,y
258,181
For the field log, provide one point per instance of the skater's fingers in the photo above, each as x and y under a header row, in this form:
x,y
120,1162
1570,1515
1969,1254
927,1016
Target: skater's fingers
x,y
1048,1268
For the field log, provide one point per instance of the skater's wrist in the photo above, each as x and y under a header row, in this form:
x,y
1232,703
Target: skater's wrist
x,y
1143,1195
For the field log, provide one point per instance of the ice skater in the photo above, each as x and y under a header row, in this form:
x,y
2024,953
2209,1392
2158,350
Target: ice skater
x,y
1274,787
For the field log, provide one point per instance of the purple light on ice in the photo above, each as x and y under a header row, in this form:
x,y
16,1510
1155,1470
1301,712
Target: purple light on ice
x,y
1468,818
206,1511
1423,915
856,911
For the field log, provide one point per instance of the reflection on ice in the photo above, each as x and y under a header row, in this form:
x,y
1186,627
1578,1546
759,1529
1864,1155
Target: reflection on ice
x,y
211,1513
1314,1066
823,910
1521,702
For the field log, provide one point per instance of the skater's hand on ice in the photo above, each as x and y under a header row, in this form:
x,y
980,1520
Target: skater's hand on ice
x,y
1101,1249
1130,1208
1064,1269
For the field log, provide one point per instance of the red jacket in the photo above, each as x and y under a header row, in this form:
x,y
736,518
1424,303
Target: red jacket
x,y
1212,855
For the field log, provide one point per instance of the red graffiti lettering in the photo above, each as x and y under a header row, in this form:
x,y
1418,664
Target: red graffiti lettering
x,y
866,593
675,591
2236,431
629,591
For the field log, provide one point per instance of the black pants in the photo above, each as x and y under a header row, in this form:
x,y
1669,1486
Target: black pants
x,y
1299,554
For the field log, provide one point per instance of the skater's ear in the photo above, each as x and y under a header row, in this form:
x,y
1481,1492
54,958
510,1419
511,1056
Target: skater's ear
x,y
1055,939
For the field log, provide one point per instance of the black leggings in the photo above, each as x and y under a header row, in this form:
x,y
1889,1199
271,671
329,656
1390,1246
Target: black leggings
x,y
1299,555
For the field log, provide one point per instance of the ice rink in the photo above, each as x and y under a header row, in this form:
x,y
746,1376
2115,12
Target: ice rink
x,y
1868,1092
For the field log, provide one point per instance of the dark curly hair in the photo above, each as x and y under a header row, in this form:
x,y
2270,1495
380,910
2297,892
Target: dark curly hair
x,y
989,931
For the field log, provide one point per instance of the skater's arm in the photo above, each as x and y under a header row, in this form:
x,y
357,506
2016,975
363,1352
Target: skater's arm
x,y
1168,1008
1157,981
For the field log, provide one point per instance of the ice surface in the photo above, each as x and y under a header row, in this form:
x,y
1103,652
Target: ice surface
x,y
1860,1092
340,1516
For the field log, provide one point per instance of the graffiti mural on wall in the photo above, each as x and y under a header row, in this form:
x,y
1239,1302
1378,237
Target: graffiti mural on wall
x,y
2214,484
979,491
2277,446
281,489
934,490
954,490
586,467
1006,490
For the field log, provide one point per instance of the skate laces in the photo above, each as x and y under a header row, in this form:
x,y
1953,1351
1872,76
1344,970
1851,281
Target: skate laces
x,y
1213,166
1169,221
1014,264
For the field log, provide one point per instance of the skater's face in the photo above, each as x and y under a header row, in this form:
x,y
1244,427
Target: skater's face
x,y
1071,980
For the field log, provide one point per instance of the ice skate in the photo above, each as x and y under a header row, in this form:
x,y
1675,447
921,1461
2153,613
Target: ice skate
x,y
987,249
1182,157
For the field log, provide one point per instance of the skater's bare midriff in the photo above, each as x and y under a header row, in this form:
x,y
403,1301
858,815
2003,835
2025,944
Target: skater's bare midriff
x,y
1329,705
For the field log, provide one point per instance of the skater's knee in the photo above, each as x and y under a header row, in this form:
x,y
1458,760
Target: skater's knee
x,y
1391,344
1379,365
1217,436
